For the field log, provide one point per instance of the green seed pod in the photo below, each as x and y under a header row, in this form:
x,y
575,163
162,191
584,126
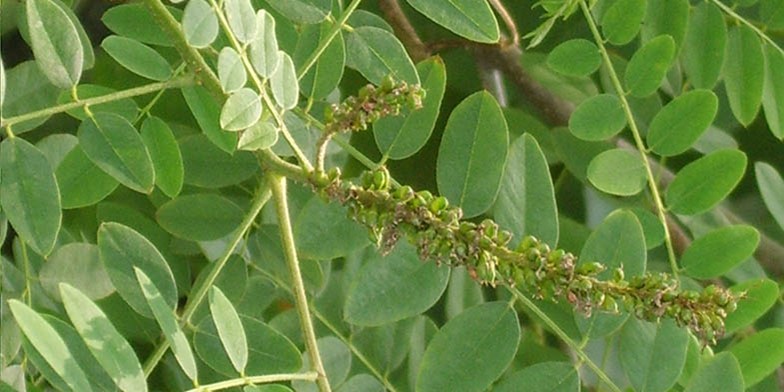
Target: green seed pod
x,y
438,204
618,275
333,173
556,255
609,305
526,243
404,193
381,178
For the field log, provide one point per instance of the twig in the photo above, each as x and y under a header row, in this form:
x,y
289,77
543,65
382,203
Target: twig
x,y
511,27
404,30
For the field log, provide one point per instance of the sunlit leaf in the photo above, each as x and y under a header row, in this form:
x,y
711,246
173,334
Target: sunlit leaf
x,y
621,22
262,135
199,23
469,19
284,84
303,11
231,71
618,172
649,65
704,44
242,19
229,326
703,183
575,57
264,54
665,17
681,122
241,110
55,42
598,118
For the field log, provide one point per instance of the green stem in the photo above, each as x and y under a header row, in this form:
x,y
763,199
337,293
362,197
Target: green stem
x,y
262,196
278,185
565,337
182,81
269,378
657,200
331,36
191,56
743,20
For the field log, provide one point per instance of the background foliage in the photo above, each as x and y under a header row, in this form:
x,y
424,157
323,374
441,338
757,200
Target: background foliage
x,y
143,141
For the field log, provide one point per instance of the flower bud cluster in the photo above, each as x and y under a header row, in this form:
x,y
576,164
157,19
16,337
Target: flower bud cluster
x,y
355,113
440,235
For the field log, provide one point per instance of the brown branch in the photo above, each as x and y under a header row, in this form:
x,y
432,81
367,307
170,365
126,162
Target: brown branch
x,y
404,30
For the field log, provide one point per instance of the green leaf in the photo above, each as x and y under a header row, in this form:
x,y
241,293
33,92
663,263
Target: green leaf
x,y
666,17
231,71
167,320
55,42
269,352
229,326
337,363
759,355
704,45
323,231
471,351
374,294
744,73
263,53
284,84
618,172
653,355
112,144
621,22
720,373
575,57
50,345
79,265
703,183
719,251
759,296
324,76
303,11
362,382
107,345
576,154
772,189
207,114
241,110
400,137
473,153
242,19
526,200
207,166
125,19
543,377
470,19
773,91
28,90
84,39
165,155
199,217
199,23
29,194
121,249
598,118
681,122
647,67
376,53
137,57
263,134
2,83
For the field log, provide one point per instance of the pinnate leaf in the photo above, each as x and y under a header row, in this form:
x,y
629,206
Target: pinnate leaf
x,y
744,73
703,183
719,251
681,122
242,19
598,118
773,91
199,23
772,189
722,372
704,45
229,326
199,217
55,42
649,65
470,19
241,110
376,53
137,57
759,295
759,355
621,22
575,57
284,83
617,172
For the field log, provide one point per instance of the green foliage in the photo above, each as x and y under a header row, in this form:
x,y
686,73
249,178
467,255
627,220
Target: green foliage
x,y
189,199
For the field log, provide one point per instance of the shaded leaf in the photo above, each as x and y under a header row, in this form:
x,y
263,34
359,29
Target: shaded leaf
x,y
653,355
487,336
167,320
543,377
229,326
719,251
720,373
48,342
208,166
206,111
759,296
704,45
199,217
241,110
771,187
323,231
618,172
472,154
55,42
621,22
125,19
165,155
744,73
325,74
284,84
759,355
374,294
399,137
107,345
137,57
703,183
469,19
666,17
113,144
335,356
649,65
199,23
261,135
27,90
231,71
681,122
575,57
376,53
29,194
79,265
121,249
526,201
773,91
598,118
